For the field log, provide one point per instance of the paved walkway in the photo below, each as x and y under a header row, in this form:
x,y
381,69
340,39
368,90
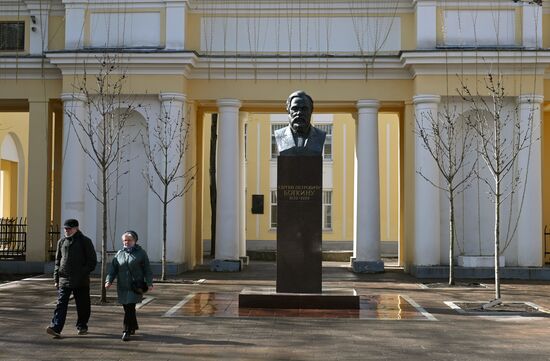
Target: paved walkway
x,y
167,332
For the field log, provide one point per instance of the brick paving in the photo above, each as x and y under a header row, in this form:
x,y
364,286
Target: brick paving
x,y
171,329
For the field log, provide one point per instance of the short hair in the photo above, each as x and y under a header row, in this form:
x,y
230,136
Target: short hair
x,y
299,94
132,234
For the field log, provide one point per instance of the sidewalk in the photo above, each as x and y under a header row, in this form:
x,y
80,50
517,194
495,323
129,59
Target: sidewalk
x,y
169,332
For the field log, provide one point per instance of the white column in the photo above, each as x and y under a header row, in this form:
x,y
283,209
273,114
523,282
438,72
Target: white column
x,y
175,24
228,201
243,116
426,24
74,160
74,26
426,196
38,37
529,162
173,106
531,25
366,241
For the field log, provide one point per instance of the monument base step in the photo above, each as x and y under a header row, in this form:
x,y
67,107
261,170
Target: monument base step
x,y
222,265
330,298
367,266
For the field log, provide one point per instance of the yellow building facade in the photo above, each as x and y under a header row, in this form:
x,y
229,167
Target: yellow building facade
x,y
373,70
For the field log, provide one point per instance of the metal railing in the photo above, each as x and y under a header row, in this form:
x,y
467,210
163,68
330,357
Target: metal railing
x,y
546,241
53,236
13,238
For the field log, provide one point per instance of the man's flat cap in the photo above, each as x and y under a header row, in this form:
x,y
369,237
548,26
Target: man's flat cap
x,y
70,223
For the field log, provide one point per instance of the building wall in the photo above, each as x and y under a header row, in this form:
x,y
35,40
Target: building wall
x,y
329,53
545,139
17,126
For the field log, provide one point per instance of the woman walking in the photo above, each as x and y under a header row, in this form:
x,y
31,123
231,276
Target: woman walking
x,y
130,267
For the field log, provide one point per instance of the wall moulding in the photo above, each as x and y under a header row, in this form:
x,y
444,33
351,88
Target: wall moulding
x,y
476,61
335,7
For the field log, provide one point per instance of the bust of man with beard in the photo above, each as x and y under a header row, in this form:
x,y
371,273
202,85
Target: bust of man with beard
x,y
300,137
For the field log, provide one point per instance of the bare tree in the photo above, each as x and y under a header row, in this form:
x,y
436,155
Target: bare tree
x,y
502,137
101,135
165,146
448,141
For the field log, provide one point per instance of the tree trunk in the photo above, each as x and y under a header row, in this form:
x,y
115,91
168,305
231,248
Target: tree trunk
x,y
451,236
104,236
213,189
164,216
497,239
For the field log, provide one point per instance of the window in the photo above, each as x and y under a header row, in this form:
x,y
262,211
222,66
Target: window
x,y
327,209
327,150
274,150
273,213
12,35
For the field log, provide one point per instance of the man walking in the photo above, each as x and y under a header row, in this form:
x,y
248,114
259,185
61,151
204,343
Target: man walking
x,y
74,260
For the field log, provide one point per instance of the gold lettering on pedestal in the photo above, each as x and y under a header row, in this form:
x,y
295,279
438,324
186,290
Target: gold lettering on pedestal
x,y
298,192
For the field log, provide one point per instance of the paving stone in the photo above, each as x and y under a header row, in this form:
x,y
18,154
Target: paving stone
x,y
25,312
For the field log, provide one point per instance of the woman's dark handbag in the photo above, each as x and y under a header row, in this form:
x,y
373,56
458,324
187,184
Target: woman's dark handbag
x,y
139,287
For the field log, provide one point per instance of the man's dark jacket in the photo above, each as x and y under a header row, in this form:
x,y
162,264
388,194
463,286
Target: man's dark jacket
x,y
74,260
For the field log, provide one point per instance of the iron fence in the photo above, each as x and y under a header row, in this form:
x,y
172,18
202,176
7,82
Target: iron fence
x,y
13,238
53,236
546,241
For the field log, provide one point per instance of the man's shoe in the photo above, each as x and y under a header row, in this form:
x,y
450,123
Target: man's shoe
x,y
82,331
125,336
52,332
132,332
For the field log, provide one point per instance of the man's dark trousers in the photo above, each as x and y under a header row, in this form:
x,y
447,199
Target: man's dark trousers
x,y
83,307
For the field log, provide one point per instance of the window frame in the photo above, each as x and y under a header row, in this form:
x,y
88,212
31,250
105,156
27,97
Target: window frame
x,y
328,128
274,150
19,42
273,209
327,207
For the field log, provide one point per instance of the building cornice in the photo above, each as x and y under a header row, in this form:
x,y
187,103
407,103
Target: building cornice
x,y
123,5
303,68
24,7
511,62
27,68
155,63
299,8
191,65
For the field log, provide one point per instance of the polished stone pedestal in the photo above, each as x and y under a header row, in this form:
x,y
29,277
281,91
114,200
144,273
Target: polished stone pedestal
x,y
330,298
299,224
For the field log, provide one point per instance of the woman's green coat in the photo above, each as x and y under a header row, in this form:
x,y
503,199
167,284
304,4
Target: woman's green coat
x,y
126,265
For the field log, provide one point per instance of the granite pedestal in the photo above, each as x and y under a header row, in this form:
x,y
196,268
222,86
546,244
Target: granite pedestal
x,y
330,298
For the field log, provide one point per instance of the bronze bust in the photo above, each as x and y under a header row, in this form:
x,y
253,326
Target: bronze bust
x,y
300,137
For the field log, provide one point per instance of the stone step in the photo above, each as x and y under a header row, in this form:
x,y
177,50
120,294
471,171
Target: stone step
x,y
269,255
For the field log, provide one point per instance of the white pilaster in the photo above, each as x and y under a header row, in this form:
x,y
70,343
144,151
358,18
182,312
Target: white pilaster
x,y
426,196
74,25
175,24
531,25
38,37
426,24
173,107
366,241
529,162
228,201
74,160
